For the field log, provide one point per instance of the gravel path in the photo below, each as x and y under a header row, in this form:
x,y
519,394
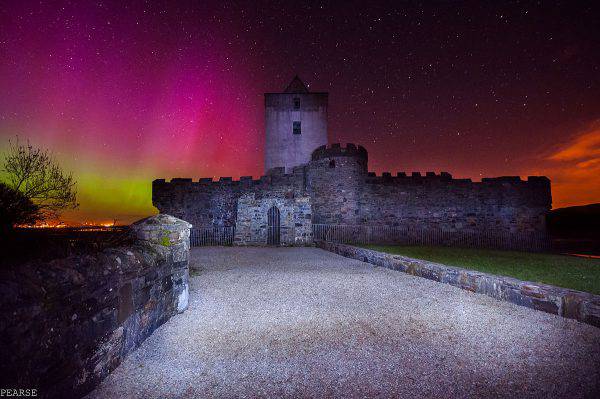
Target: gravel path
x,y
302,322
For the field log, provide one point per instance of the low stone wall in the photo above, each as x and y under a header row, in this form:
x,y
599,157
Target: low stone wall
x,y
564,302
67,323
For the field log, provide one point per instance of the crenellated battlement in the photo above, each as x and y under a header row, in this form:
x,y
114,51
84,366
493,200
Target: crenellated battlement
x,y
413,175
372,177
278,178
341,191
336,150
279,174
275,174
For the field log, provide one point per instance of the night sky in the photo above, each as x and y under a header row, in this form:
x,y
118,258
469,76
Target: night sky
x,y
127,94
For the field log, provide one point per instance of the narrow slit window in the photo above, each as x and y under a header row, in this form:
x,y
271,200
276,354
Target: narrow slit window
x,y
296,103
297,129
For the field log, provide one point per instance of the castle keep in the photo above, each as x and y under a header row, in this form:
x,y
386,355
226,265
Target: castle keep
x,y
308,182
295,124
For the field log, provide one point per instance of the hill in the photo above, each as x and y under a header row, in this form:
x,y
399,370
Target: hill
x,y
575,221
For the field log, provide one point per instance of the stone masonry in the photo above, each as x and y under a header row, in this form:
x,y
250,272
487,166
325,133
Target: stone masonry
x,y
65,324
342,191
296,214
295,124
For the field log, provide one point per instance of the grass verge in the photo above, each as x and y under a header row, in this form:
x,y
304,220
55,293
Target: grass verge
x,y
561,270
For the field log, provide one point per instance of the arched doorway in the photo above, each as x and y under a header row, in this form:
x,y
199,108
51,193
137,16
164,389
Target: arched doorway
x,y
273,228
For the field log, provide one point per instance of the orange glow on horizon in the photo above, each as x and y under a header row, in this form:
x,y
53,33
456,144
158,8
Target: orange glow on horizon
x,y
574,169
60,225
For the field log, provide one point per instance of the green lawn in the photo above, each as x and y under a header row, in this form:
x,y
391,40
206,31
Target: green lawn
x,y
564,271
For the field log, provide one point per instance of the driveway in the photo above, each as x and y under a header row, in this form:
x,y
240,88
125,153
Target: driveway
x,y
303,322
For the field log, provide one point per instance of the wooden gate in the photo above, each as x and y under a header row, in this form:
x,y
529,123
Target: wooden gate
x,y
273,228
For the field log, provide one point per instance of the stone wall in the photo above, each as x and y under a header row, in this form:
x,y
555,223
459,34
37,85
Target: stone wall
x,y
214,203
504,204
342,191
336,178
67,323
282,147
582,306
252,222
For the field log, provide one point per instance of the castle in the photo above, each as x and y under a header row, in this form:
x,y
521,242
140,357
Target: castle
x,y
308,182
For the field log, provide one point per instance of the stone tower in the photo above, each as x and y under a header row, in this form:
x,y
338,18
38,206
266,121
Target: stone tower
x,y
295,125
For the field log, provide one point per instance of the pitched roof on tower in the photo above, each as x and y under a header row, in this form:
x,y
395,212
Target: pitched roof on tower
x,y
296,86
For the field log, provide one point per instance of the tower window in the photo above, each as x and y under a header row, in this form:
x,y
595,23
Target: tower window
x,y
296,103
332,163
297,128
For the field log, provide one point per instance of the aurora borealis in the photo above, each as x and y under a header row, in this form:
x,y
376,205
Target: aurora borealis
x,y
127,94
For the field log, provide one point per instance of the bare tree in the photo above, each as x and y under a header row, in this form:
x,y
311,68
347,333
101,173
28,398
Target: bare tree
x,y
35,173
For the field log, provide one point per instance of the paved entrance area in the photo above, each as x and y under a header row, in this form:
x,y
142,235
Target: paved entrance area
x,y
302,322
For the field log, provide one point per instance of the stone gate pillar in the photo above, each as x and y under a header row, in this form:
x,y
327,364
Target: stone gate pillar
x,y
169,237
